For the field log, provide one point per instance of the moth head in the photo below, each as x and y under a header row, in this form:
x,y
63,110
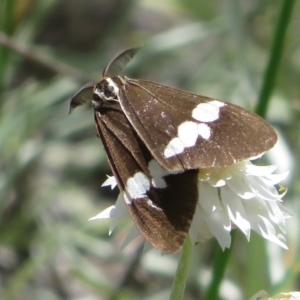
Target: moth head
x,y
105,90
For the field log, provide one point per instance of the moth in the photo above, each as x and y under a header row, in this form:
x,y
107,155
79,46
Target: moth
x,y
157,138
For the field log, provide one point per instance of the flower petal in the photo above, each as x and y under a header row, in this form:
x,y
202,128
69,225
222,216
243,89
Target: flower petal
x,y
273,179
208,197
218,223
236,211
111,180
267,231
197,223
105,214
259,170
241,187
132,235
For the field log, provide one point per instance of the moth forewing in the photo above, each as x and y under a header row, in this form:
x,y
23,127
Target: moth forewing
x,y
186,131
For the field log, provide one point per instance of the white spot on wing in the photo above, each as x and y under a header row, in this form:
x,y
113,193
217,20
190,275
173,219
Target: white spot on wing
x,y
207,112
174,147
137,186
187,137
188,133
204,131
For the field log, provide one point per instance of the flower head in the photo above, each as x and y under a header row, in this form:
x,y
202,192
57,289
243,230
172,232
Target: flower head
x,y
241,195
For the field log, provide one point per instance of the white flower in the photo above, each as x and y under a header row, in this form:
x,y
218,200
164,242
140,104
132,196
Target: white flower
x,y
241,195
262,295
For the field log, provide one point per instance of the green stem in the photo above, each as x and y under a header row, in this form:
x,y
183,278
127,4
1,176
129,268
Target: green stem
x,y
221,262
275,56
182,270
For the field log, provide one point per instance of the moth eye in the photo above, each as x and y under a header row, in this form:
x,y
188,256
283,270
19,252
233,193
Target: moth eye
x,y
109,91
96,97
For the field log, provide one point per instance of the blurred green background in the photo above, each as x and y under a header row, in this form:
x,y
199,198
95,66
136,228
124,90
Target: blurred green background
x,y
52,165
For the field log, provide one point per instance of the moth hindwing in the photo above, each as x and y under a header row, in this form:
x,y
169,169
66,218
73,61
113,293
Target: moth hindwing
x,y
157,138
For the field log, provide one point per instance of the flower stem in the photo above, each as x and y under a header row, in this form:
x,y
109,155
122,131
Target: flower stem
x,y
182,270
275,56
222,258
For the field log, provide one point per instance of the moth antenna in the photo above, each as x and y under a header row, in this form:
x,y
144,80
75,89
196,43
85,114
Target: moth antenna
x,y
84,95
118,63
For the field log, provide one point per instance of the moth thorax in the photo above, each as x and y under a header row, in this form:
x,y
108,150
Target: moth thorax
x,y
105,90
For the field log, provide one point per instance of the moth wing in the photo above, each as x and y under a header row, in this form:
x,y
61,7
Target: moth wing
x,y
161,204
186,131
